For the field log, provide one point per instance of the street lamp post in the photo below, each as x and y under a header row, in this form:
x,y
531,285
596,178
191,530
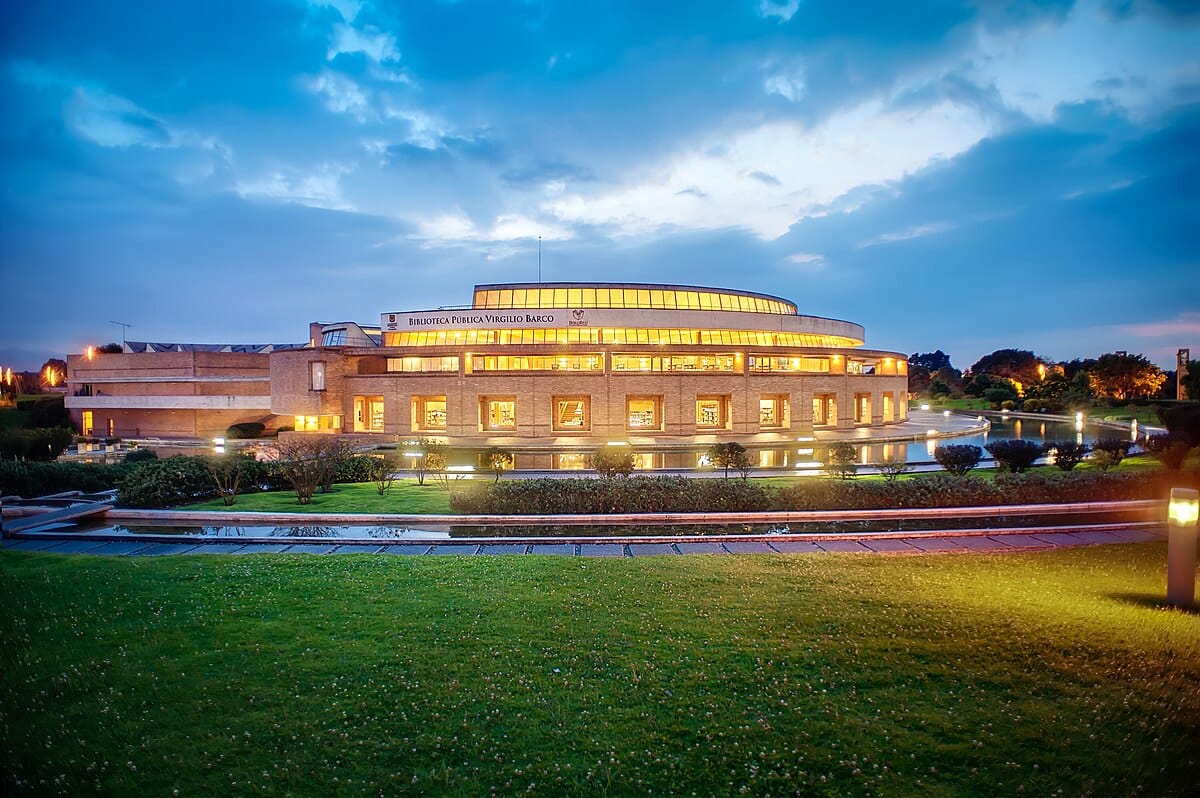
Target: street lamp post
x,y
1181,547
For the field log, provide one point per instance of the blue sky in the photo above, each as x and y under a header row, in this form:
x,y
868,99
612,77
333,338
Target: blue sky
x,y
955,175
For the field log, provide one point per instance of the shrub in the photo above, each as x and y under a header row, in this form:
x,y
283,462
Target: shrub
x,y
613,461
355,468
1068,454
665,494
309,462
957,459
227,472
42,479
246,429
165,483
841,460
1182,421
1015,455
1109,452
141,456
1009,404
1169,449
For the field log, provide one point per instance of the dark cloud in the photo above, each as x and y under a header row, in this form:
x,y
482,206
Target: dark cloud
x,y
763,177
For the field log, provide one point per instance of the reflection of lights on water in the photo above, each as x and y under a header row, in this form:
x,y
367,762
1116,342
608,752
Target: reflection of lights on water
x,y
804,451
810,464
1079,437
1133,430
931,445
931,433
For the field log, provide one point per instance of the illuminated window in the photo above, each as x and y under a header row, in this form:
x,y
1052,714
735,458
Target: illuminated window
x,y
854,367
316,375
112,427
773,458
773,412
769,363
86,423
428,413
498,412
643,412
570,462
825,410
889,408
334,338
586,362
368,414
712,412
317,423
862,408
572,413
721,362
621,335
646,461
418,364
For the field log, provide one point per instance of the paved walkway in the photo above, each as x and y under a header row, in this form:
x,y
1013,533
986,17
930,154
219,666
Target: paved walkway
x,y
994,541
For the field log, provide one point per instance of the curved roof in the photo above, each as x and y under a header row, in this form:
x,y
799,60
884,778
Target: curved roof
x,y
504,296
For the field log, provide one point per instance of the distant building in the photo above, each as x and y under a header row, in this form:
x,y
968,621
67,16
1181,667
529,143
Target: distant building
x,y
548,370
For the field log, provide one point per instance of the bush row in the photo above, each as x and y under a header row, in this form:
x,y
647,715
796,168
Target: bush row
x,y
681,494
43,479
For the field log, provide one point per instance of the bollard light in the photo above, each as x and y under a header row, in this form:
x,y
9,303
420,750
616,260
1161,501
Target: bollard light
x,y
1181,547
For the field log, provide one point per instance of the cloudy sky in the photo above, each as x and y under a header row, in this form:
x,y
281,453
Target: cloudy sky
x,y
954,175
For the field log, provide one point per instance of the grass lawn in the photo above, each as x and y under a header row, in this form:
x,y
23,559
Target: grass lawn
x,y
1034,674
405,496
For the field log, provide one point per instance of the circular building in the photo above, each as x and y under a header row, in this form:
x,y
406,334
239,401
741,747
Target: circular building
x,y
550,371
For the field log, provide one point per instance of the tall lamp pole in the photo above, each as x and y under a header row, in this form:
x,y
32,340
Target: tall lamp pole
x,y
1181,547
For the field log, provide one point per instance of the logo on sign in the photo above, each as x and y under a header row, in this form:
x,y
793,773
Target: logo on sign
x,y
578,318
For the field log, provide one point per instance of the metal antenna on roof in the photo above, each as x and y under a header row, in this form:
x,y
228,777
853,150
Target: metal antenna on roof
x,y
123,327
539,259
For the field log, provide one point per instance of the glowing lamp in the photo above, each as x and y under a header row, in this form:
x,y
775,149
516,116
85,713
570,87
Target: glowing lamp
x,y
946,413
618,443
218,441
931,433
1184,507
924,407
1181,547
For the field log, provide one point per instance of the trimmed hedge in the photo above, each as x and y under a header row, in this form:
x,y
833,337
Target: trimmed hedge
x,y
667,494
41,479
681,494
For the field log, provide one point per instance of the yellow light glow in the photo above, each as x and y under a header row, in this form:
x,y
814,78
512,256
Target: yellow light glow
x,y
91,352
1184,507
618,443
1041,369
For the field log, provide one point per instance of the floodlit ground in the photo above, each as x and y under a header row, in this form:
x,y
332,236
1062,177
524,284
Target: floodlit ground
x,y
824,675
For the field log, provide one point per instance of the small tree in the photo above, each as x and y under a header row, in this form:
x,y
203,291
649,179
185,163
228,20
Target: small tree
x,y
1015,455
1108,452
383,471
499,460
892,468
841,460
1068,454
958,459
426,456
613,461
730,455
226,471
308,462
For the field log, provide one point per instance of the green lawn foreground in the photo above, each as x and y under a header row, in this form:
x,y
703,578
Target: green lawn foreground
x,y
763,675
405,496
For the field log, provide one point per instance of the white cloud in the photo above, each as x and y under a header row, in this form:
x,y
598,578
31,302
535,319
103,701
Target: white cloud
x,y
113,121
458,228
918,231
789,86
424,129
783,11
341,94
377,45
1184,324
807,261
713,187
347,8
320,189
